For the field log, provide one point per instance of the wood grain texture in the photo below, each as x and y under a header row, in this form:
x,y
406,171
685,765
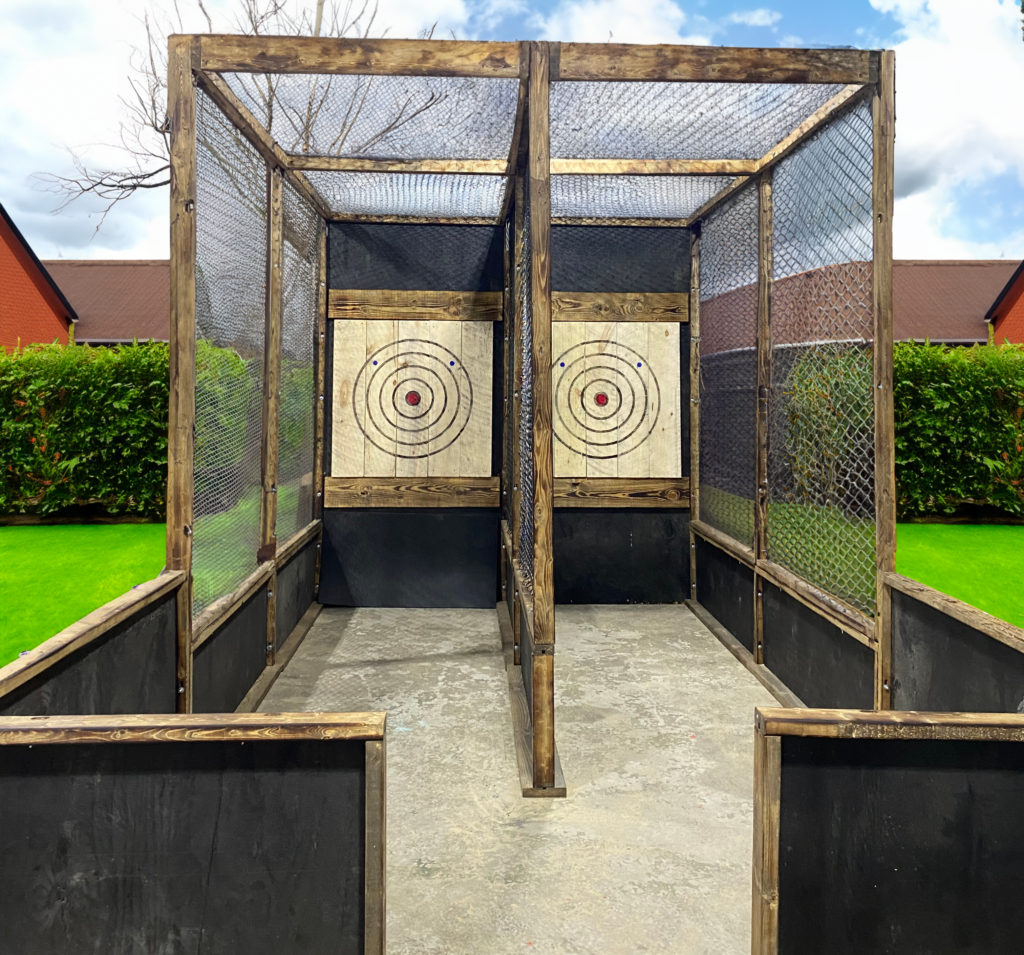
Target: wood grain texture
x,y
183,622
272,366
736,550
192,727
517,147
693,403
765,272
767,802
450,492
480,167
89,628
543,548
296,542
222,610
542,674
653,167
522,738
271,611
620,307
377,304
364,57
375,893
621,61
660,223
519,245
320,395
622,492
412,220
883,111
890,724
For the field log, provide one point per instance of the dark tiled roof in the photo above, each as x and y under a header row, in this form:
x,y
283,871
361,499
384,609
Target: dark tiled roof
x,y
116,300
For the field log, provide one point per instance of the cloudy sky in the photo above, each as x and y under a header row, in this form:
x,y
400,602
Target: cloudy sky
x,y
959,148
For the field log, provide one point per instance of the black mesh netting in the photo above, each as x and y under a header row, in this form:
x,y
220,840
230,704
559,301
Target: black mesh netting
x,y
231,272
595,258
601,120
386,117
728,366
821,511
632,197
526,464
296,423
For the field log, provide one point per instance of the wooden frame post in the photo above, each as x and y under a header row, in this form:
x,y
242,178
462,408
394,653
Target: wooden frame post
x,y
764,384
694,404
375,932
183,55
883,110
319,411
543,457
767,802
518,245
272,393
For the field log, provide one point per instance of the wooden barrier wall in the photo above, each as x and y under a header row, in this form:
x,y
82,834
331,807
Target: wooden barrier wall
x,y
255,834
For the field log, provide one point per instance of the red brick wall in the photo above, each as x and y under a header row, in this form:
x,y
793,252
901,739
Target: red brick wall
x,y
29,310
1010,324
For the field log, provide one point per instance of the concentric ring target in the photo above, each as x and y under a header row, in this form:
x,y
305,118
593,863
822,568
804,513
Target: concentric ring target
x,y
412,398
606,399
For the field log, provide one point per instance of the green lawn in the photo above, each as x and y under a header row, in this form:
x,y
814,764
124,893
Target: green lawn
x,y
982,564
51,576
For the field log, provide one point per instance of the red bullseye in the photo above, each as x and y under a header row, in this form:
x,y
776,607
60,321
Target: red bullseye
x,y
600,399
413,398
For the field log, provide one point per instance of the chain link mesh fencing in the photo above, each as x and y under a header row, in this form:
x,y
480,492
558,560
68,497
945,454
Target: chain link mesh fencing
x,y
231,275
728,366
821,510
526,464
632,197
508,379
296,427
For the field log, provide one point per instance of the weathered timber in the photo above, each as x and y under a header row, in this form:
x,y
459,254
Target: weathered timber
x,y
736,550
694,406
890,724
767,800
477,167
653,167
222,610
392,304
296,542
764,384
375,907
412,492
622,492
620,307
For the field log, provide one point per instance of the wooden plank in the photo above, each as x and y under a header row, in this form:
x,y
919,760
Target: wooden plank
x,y
183,646
957,609
762,674
596,342
517,352
272,368
364,57
765,274
889,724
736,550
191,727
767,802
222,610
694,405
472,449
347,438
653,167
883,111
463,167
517,147
622,492
378,452
413,466
375,893
661,223
247,124
83,632
296,542
718,64
320,395
376,304
522,737
412,220
543,554
620,307
665,445
565,460
542,672
271,626
424,492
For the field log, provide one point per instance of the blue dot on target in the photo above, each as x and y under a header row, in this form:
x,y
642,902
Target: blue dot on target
x,y
563,364
375,363
452,364
639,364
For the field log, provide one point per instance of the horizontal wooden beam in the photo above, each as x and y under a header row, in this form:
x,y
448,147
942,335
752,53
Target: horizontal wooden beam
x,y
372,304
365,57
717,64
889,724
620,222
412,220
191,727
412,492
462,167
741,552
620,306
85,631
622,492
653,167
959,610
285,552
221,611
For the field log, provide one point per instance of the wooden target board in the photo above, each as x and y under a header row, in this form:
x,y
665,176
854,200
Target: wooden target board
x,y
615,391
412,399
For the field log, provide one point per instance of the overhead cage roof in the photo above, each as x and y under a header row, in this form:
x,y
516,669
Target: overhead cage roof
x,y
415,129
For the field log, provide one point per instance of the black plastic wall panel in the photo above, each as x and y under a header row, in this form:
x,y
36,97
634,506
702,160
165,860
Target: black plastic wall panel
x,y
621,556
943,665
413,257
219,847
294,594
909,847
410,557
619,259
226,666
822,665
725,588
130,669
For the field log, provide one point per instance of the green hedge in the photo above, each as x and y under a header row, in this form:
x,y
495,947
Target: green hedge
x,y
83,426
959,428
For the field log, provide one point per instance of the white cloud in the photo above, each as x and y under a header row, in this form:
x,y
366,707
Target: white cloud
x,y
761,17
955,126
623,21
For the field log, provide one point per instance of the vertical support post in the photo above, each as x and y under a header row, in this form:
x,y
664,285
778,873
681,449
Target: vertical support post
x,y
517,382
767,801
375,889
272,394
764,384
182,58
883,110
543,456
694,403
319,399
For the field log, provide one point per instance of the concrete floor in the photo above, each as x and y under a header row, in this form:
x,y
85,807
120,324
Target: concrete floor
x,y
650,852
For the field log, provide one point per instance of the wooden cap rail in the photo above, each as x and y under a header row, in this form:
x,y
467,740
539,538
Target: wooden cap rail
x,y
474,167
430,306
620,306
191,727
622,492
90,627
412,492
889,724
222,610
